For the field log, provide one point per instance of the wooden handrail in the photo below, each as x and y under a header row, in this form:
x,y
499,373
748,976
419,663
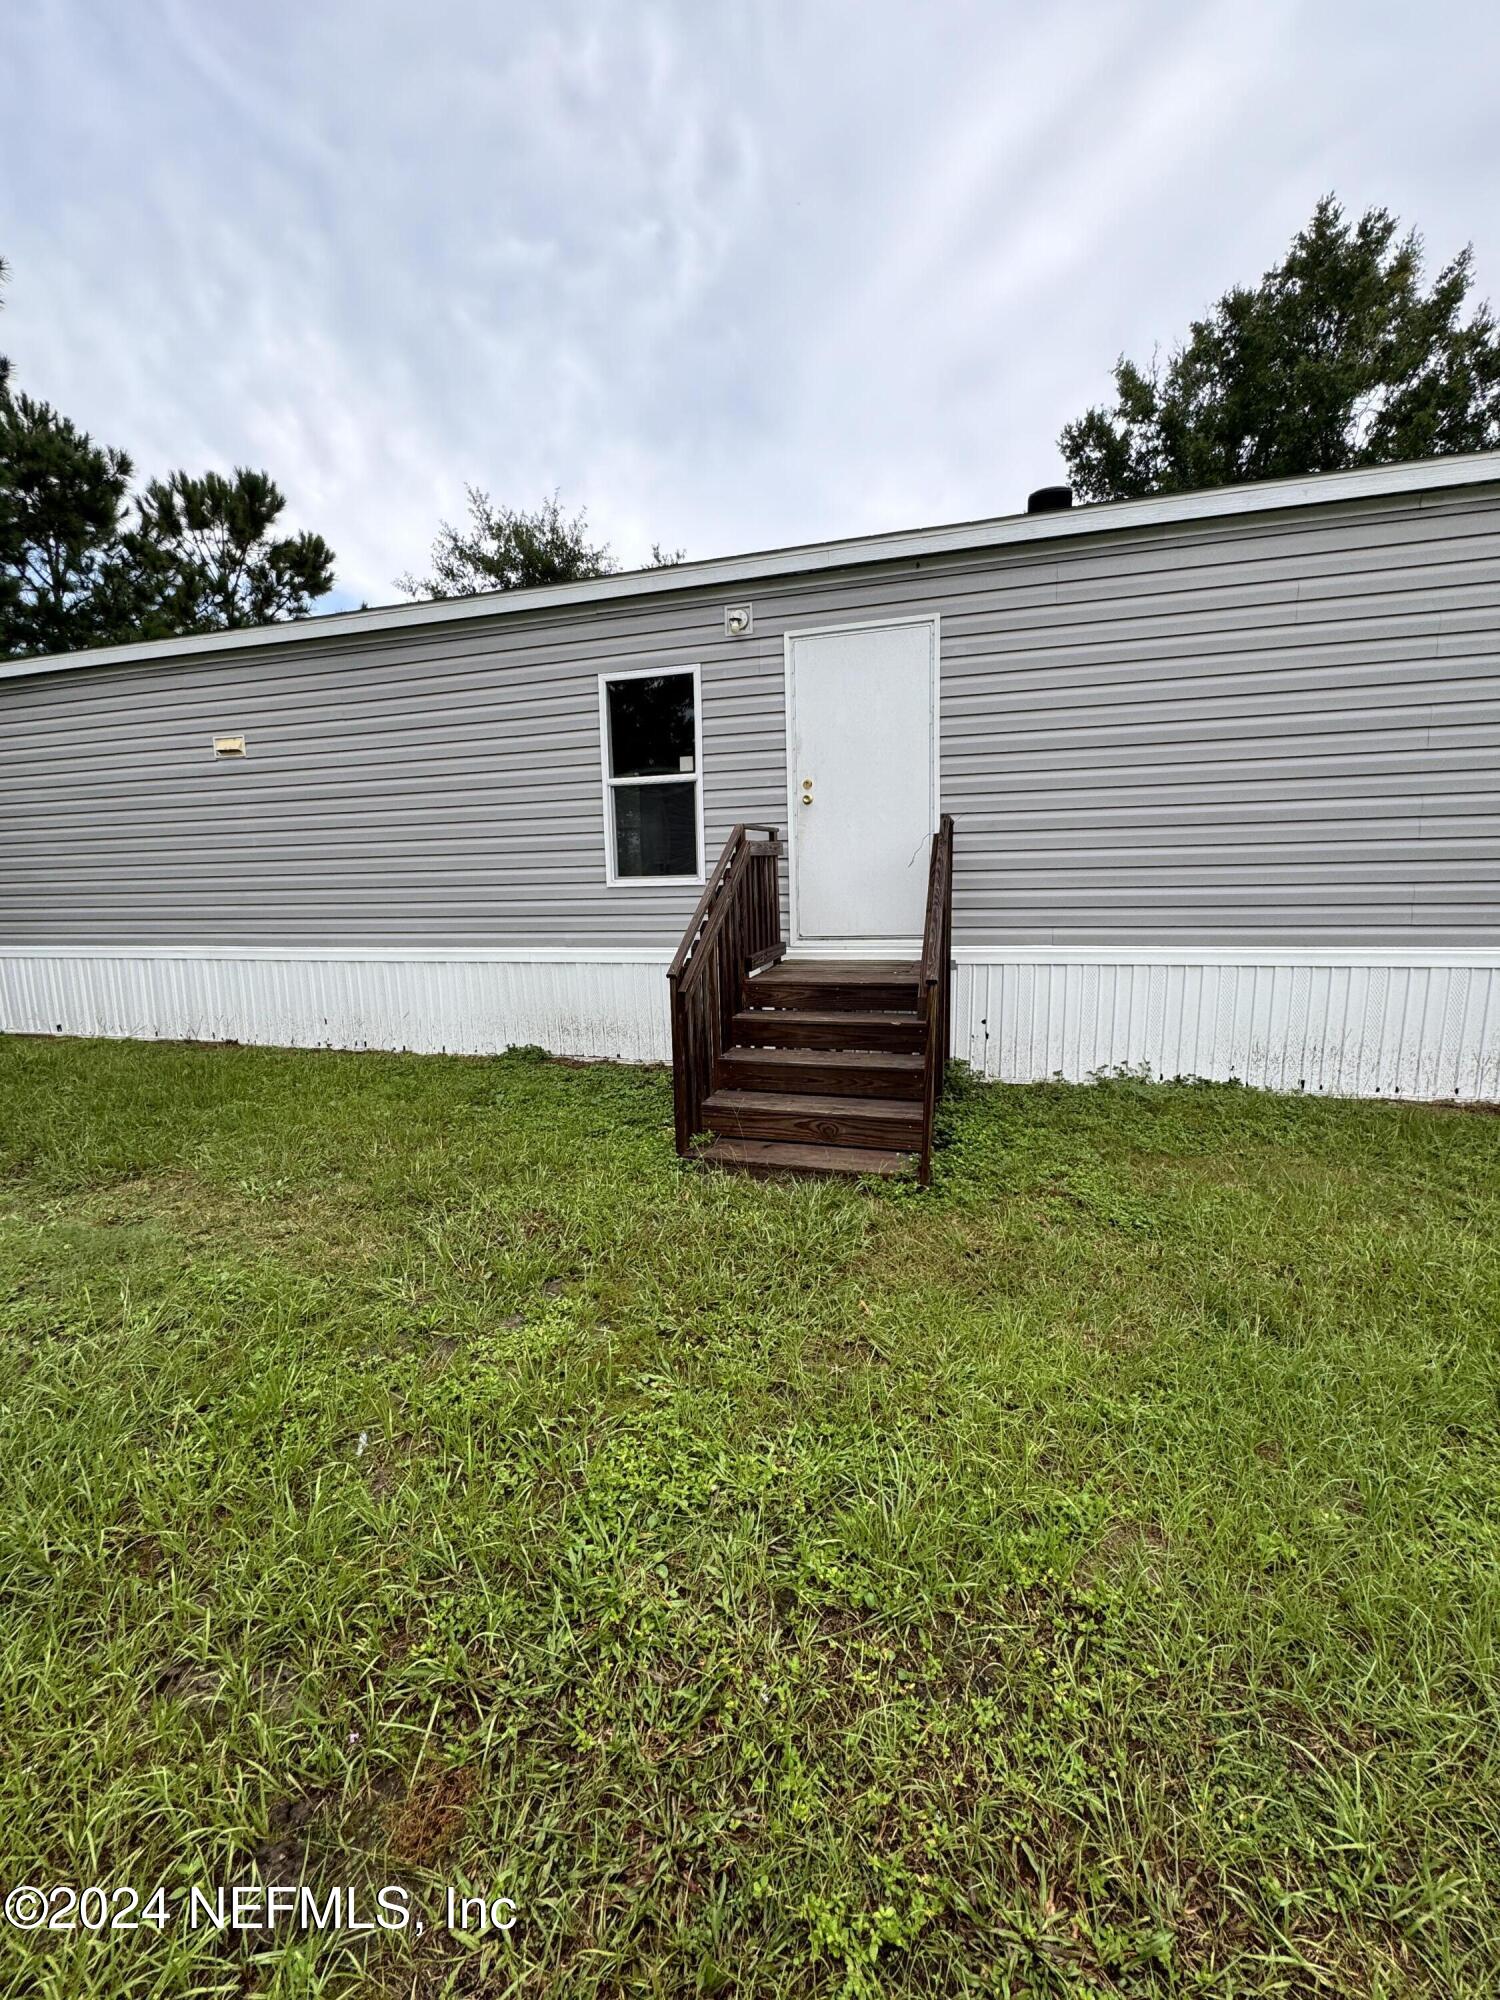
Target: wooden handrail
x,y
711,888
735,930
935,975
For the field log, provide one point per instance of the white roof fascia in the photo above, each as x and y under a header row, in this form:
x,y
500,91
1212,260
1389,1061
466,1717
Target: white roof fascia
x,y
734,572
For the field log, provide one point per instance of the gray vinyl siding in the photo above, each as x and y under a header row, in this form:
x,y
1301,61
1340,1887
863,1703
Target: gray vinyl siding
x,y
1281,729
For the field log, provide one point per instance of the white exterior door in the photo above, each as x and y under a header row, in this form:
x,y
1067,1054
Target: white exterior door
x,y
862,754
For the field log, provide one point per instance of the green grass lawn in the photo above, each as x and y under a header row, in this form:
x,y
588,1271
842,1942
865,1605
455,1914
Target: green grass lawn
x,y
1080,1579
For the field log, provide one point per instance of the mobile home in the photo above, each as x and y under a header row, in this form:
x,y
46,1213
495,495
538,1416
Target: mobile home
x,y
1221,771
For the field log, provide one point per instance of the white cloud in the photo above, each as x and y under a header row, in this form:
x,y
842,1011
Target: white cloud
x,y
731,277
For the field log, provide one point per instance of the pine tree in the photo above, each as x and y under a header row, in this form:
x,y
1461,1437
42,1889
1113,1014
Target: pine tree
x,y
199,555
202,557
61,501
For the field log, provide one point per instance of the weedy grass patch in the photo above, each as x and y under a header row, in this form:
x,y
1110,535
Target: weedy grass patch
x,y
1077,1580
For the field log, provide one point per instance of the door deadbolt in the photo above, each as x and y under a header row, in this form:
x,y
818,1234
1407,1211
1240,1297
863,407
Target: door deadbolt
x,y
807,791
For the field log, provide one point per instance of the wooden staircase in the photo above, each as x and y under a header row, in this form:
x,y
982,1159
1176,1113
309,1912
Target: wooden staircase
x,y
824,1073
805,1066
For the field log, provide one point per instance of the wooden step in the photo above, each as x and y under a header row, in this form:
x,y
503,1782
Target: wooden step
x,y
823,1072
767,1157
879,1122
850,985
818,1028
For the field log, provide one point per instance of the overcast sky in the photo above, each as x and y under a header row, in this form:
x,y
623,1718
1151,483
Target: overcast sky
x,y
731,276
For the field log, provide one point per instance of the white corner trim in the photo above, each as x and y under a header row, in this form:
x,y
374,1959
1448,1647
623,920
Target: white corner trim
x,y
733,572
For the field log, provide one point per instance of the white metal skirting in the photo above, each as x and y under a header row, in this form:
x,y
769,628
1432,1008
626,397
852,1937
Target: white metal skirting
x,y
604,1005
1350,1024
1353,1023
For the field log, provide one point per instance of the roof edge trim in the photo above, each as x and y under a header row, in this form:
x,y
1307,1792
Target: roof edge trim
x,y
1158,510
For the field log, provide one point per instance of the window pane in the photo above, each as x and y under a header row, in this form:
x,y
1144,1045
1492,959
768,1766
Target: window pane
x,y
656,829
651,726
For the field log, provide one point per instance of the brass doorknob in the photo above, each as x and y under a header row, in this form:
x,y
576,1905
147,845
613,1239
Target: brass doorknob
x,y
807,791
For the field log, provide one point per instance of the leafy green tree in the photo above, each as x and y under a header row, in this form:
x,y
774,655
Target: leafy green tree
x,y
202,556
61,501
1338,357
511,548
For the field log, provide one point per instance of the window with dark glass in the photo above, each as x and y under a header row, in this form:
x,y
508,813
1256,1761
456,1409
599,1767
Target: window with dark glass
x,y
651,769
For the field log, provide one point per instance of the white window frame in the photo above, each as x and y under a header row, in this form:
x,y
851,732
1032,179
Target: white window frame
x,y
612,876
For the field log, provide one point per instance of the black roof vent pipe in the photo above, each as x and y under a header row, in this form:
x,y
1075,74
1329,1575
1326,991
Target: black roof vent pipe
x,y
1049,500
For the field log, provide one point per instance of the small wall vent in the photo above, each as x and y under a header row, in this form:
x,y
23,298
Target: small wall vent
x,y
229,746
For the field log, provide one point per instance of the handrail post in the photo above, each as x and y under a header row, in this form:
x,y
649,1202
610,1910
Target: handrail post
x,y
681,1132
929,1084
936,990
